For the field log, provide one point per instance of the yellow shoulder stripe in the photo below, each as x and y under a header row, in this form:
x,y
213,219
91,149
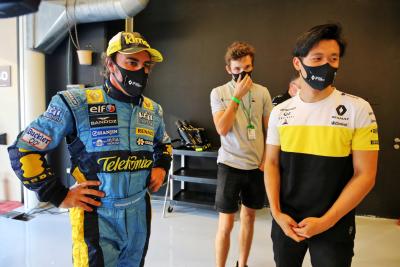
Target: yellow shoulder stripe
x,y
316,140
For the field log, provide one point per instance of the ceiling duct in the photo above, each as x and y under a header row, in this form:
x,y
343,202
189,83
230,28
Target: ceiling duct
x,y
50,25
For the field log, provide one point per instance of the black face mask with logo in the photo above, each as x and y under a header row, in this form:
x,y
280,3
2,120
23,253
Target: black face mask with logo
x,y
319,77
235,77
133,82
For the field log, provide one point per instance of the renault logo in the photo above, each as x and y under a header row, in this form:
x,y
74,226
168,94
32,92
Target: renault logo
x,y
341,110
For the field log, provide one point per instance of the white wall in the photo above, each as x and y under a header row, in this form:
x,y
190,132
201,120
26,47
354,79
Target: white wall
x,y
9,119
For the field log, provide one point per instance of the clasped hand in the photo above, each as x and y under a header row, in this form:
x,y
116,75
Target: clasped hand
x,y
307,228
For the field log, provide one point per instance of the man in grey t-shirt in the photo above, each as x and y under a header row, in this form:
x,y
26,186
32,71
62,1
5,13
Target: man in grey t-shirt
x,y
240,111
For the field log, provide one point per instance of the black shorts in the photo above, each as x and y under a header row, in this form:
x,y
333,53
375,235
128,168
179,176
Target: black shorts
x,y
333,248
235,184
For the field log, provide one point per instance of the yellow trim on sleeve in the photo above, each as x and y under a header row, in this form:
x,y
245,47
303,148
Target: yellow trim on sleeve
x,y
366,138
31,165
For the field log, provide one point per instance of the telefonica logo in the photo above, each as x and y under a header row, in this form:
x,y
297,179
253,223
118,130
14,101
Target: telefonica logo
x,y
117,164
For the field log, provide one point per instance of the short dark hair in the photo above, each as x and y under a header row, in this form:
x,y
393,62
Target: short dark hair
x,y
238,50
316,34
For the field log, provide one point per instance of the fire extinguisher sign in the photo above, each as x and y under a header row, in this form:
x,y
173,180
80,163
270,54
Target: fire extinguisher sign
x,y
5,76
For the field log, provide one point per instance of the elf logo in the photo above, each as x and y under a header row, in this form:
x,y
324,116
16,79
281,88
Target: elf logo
x,y
102,108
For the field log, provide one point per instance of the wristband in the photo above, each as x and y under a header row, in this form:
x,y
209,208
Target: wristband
x,y
235,100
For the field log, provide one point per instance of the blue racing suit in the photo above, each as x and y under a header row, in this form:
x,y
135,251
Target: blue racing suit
x,y
111,139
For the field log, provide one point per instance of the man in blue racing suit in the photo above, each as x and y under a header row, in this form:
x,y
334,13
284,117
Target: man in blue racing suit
x,y
119,149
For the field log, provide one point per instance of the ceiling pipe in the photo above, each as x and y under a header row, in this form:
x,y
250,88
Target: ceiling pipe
x,y
50,25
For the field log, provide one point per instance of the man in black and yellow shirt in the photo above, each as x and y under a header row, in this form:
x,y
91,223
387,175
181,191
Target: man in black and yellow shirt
x,y
322,150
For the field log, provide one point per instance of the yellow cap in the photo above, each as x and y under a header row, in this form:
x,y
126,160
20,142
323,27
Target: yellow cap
x,y
130,43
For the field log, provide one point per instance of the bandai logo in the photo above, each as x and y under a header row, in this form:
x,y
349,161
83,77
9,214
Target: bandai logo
x,y
101,121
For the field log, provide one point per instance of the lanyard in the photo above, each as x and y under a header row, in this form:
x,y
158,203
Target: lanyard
x,y
247,113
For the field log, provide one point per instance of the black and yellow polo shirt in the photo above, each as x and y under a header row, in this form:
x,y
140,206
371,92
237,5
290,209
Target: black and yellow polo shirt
x,y
316,141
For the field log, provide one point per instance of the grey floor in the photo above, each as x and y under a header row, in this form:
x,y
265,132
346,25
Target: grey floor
x,y
184,238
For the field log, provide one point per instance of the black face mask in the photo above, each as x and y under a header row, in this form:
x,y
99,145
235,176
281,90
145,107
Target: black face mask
x,y
319,77
133,82
235,77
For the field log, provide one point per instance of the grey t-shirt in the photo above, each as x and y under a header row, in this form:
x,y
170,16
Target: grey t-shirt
x,y
236,149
